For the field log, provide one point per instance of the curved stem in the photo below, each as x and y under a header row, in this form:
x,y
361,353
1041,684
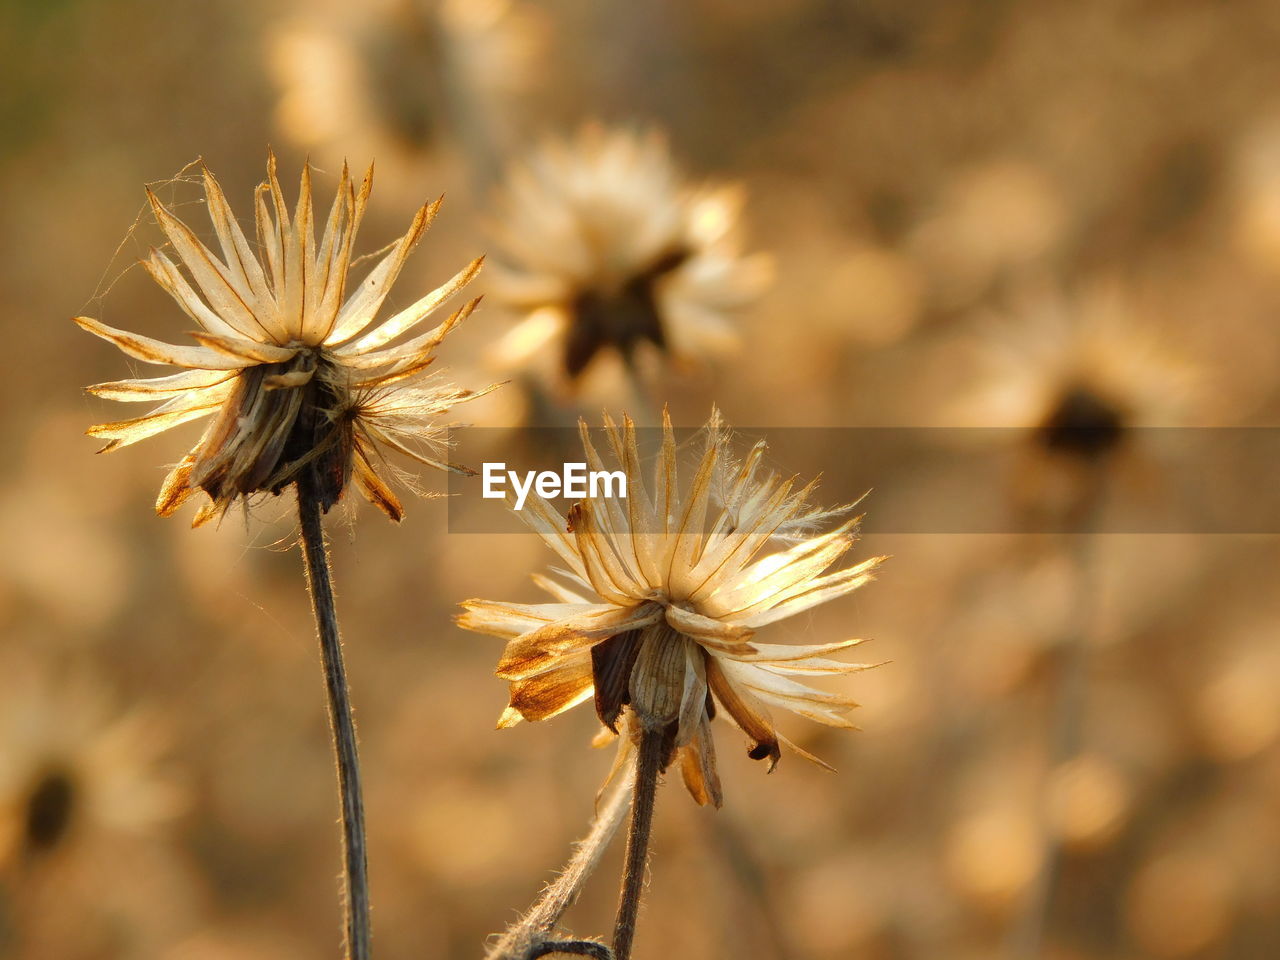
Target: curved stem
x,y
648,768
530,937
341,721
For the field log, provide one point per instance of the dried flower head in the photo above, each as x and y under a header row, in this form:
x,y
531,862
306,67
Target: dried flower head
x,y
604,246
398,76
287,359
73,771
1080,373
657,612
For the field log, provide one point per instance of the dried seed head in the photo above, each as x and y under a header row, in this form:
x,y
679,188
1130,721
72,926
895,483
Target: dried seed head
x,y
606,248
294,368
657,612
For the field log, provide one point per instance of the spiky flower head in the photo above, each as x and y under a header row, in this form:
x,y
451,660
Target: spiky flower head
x,y
604,246
287,360
657,609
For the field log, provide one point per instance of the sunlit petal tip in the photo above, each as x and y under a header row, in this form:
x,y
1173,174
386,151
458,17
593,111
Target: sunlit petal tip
x,y
708,568
510,717
800,751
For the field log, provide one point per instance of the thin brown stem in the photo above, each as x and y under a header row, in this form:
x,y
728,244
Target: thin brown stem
x,y
649,759
341,721
1026,940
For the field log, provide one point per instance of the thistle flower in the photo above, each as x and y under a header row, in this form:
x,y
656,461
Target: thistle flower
x,y
603,246
657,612
287,358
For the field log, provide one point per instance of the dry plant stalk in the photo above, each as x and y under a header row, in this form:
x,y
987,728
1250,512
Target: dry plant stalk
x,y
533,935
655,617
305,390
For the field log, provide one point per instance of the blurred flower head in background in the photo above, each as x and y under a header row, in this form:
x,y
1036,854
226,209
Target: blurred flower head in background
x,y
663,595
605,248
285,357
73,769
399,79
1080,370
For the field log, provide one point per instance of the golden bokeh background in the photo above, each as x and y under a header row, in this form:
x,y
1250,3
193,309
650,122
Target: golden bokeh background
x,y
929,178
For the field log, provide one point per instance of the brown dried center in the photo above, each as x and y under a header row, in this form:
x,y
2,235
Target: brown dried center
x,y
623,318
50,810
268,431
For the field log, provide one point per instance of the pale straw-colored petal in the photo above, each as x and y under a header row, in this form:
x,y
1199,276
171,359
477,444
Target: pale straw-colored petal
x,y
407,319
250,351
606,571
159,388
410,351
150,350
166,273
363,305
562,592
808,595
210,274
123,433
775,575
242,263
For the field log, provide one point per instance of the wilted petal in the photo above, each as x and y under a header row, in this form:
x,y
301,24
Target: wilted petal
x,y
363,305
773,576
511,620
409,318
373,487
698,767
242,263
410,351
210,274
177,489
156,351
702,628
751,716
158,388
251,351
563,593
535,650
170,278
122,433
554,691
